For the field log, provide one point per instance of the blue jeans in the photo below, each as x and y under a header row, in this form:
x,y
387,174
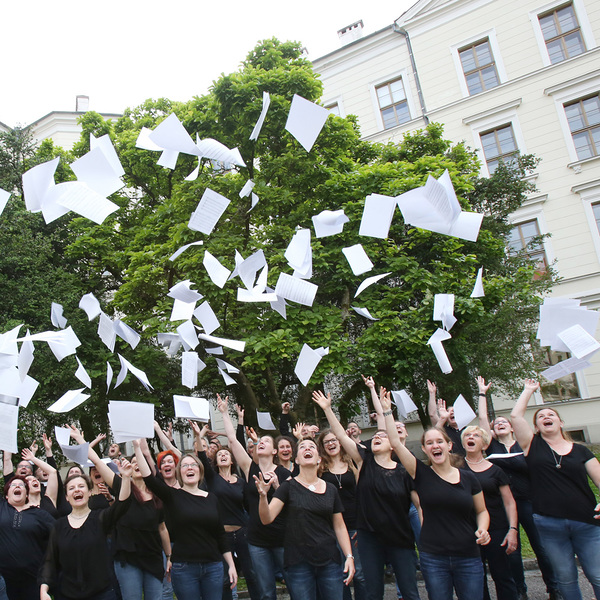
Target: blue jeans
x,y
360,590
563,539
167,586
238,543
3,595
304,580
135,582
374,554
266,562
443,574
192,581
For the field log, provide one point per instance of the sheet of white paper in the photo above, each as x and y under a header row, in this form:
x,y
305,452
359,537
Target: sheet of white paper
x,y
9,339
4,196
126,333
96,171
44,336
191,365
226,366
106,331
565,367
25,358
403,402
109,375
329,222
37,181
10,382
122,373
364,312
183,249
207,317
168,159
435,341
182,311
182,291
215,350
216,271
170,134
307,363
443,310
248,268
209,210
305,121
299,254
467,226
27,390
90,305
170,341
463,413
83,375
69,400
188,334
62,435
478,287
56,316
244,295
558,316
227,380
130,420
214,150
144,142
9,417
358,259
105,144
189,407
261,118
254,201
66,345
264,421
194,174
370,281
81,199
377,216
279,306
247,189
77,454
233,344
507,455
579,342
138,373
295,290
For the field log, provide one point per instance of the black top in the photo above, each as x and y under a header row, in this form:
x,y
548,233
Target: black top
x,y
490,480
136,540
196,528
230,495
78,560
312,538
383,502
562,493
23,539
515,467
285,424
449,520
265,536
345,485
454,435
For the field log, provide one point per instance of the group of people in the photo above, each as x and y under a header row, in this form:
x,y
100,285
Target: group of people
x,y
324,511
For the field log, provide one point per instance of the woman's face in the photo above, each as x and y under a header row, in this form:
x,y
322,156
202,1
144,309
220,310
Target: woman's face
x,y
189,471
224,458
473,441
265,446
74,470
167,466
308,453
34,485
95,476
436,448
136,469
502,426
331,445
380,443
547,421
78,494
285,450
17,493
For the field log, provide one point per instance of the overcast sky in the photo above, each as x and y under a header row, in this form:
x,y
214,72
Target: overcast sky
x,y
120,53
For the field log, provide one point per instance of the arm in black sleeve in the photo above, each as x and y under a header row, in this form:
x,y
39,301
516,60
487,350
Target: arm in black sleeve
x,y
111,515
209,472
284,424
240,435
159,487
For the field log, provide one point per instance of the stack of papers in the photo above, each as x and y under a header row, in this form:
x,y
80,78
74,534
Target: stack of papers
x,y
195,409
130,420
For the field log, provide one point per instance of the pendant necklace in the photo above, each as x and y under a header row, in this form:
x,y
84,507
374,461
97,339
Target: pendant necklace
x,y
557,463
339,479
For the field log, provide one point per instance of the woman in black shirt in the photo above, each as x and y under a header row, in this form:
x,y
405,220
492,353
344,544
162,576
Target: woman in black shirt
x,y
566,511
312,559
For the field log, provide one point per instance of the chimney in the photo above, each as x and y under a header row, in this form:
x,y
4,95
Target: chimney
x,y
82,103
351,32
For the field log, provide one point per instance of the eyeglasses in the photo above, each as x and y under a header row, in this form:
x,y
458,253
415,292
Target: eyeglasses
x,y
17,484
330,442
381,434
188,465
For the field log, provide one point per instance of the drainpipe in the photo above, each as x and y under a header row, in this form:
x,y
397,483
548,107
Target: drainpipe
x,y
404,33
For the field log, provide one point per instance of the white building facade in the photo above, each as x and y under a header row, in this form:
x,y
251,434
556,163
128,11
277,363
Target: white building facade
x,y
504,76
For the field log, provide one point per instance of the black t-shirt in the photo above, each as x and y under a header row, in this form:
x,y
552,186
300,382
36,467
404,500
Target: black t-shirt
x,y
563,493
454,435
383,502
312,538
449,520
490,480
198,532
265,536
515,467
345,484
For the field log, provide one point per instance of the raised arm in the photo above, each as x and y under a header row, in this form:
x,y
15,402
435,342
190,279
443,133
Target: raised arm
x,y
7,466
107,473
239,431
511,540
52,487
165,441
148,455
370,383
406,458
347,443
432,403
97,440
284,419
239,452
522,430
482,413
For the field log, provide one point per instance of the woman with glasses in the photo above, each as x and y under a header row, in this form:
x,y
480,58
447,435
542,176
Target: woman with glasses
x,y
200,545
384,495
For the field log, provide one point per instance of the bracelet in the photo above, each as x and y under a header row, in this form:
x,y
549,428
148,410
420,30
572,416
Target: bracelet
x,y
168,556
350,556
515,528
387,413
482,394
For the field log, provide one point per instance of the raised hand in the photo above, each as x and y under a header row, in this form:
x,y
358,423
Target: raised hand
x,y
483,387
369,382
321,399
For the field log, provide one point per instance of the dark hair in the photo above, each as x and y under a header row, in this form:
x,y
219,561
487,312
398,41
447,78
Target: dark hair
x,y
196,460
74,467
292,442
233,461
565,434
83,476
19,478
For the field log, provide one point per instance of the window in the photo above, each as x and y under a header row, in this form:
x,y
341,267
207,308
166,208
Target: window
x,y
596,213
334,108
523,238
562,34
498,145
583,117
564,388
392,103
479,67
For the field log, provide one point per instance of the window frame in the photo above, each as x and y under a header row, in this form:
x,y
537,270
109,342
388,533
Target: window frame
x,y
500,156
587,33
589,193
586,129
402,74
479,68
337,100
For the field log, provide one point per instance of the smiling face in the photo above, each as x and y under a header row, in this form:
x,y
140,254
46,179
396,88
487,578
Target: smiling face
x,y
502,426
284,450
547,421
380,443
114,451
436,446
331,445
308,453
353,430
78,492
265,446
451,419
136,469
95,476
34,484
224,458
473,440
17,493
167,466
24,468
401,429
74,470
41,475
189,471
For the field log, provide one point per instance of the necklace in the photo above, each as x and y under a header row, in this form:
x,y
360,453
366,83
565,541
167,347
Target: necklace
x,y
475,462
339,479
557,463
310,486
81,517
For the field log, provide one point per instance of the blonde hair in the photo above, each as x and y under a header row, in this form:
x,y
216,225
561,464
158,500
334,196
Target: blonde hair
x,y
485,435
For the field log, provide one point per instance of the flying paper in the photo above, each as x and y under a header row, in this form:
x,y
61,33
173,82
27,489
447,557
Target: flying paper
x,y
329,222
216,271
188,407
69,400
295,290
130,420
478,287
307,362
435,341
443,310
369,281
264,421
305,121
364,312
357,258
377,216
90,305
207,317
299,254
463,413
209,210
261,118
82,374
183,249
403,403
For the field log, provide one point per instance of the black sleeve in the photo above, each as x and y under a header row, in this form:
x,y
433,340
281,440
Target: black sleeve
x,y
240,435
159,487
110,516
285,424
283,492
209,472
51,461
49,568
